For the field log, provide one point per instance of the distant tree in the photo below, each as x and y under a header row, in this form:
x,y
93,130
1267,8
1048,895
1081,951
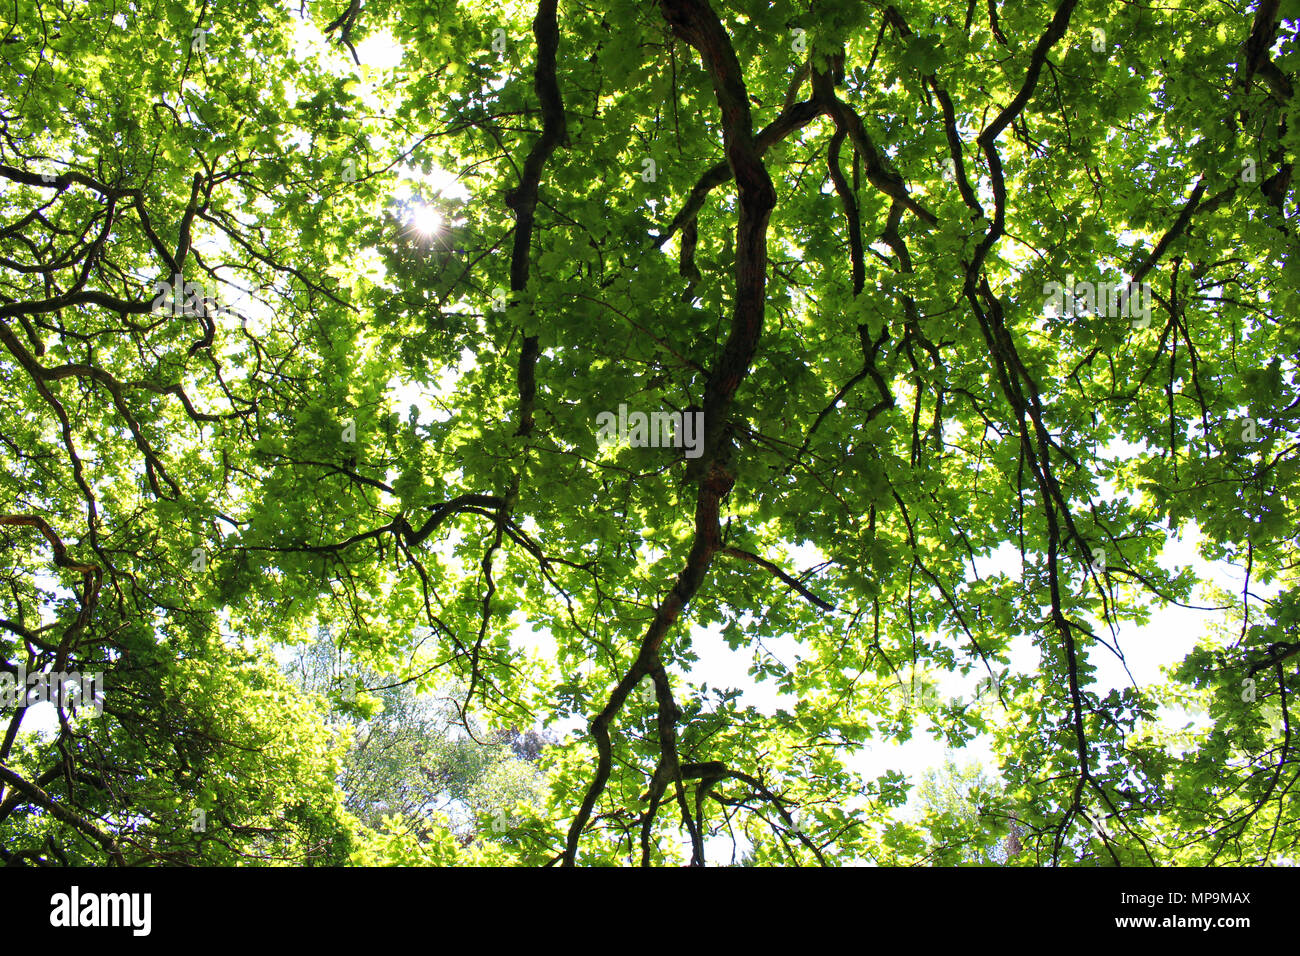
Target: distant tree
x,y
408,757
955,809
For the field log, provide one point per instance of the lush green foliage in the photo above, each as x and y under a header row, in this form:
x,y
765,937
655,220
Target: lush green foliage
x,y
830,229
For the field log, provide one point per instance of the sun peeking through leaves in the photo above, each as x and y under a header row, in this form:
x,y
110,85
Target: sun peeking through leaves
x,y
423,220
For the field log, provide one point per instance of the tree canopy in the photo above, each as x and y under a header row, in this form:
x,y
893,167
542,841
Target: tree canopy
x,y
520,347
